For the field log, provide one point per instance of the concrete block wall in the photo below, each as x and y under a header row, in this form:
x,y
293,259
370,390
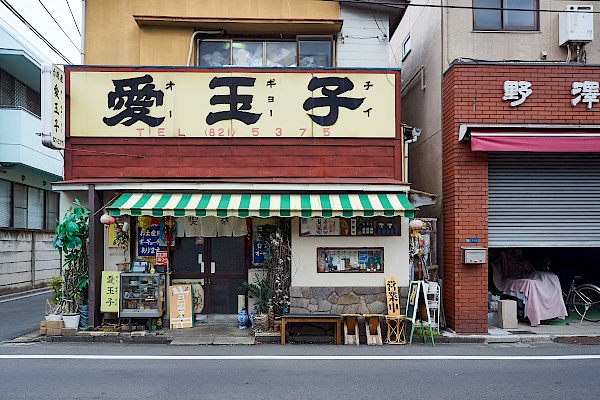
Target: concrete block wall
x,y
27,259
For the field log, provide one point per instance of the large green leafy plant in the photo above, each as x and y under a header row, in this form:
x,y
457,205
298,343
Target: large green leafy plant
x,y
71,240
260,290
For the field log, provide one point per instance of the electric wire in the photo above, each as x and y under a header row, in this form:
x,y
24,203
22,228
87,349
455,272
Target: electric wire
x,y
57,24
35,31
403,5
72,16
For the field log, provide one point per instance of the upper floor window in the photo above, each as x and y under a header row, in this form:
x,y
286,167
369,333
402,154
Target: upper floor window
x,y
14,93
506,15
303,52
27,207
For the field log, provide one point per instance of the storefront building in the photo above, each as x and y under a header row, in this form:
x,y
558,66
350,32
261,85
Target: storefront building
x,y
509,140
211,160
28,206
517,158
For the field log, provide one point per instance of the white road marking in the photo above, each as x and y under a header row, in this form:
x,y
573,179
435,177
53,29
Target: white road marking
x,y
258,357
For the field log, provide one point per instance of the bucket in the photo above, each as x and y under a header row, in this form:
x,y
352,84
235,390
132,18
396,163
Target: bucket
x,y
54,317
71,320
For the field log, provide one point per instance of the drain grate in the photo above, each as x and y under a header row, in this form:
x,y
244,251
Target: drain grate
x,y
523,333
579,340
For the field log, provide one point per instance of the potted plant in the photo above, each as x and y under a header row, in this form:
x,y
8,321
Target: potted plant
x,y
54,305
260,290
71,237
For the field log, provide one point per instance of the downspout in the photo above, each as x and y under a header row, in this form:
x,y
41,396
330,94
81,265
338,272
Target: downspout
x,y
82,61
189,59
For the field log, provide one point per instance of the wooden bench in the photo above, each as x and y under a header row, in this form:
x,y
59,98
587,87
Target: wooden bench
x,y
313,318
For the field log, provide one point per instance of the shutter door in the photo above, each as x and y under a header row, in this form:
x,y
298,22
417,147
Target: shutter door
x,y
543,200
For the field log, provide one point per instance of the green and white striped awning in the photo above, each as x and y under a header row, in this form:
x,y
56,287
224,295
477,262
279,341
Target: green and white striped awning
x,y
262,205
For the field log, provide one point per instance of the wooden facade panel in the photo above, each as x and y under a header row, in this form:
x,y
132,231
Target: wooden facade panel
x,y
153,158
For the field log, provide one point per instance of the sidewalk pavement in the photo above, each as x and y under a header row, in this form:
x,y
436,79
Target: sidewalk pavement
x,y
574,332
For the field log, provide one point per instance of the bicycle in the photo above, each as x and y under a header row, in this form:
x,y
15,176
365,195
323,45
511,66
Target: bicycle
x,y
584,298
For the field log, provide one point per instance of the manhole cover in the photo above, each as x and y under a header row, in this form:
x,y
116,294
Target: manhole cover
x,y
522,332
579,340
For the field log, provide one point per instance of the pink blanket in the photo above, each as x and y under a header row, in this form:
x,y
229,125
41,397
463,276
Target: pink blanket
x,y
544,295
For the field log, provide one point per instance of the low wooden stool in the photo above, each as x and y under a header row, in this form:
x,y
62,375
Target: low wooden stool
x,y
395,329
373,329
351,328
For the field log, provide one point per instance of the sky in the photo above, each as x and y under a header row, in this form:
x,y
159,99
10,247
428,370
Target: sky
x,y
53,20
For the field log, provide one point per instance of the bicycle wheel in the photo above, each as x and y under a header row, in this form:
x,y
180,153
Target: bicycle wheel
x,y
587,295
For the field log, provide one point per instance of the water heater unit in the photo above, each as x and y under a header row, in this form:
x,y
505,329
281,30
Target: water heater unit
x,y
576,25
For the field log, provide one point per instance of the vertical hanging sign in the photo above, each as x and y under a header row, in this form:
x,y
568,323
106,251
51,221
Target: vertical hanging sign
x,y
53,107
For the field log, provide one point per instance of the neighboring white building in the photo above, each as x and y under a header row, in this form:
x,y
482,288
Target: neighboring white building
x,y
28,206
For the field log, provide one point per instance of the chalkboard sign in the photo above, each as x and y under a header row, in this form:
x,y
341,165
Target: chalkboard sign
x,y
417,296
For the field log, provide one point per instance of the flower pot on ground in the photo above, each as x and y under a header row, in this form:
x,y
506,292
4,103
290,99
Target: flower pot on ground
x,y
71,320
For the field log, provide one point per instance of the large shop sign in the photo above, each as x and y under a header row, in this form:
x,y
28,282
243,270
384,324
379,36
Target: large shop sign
x,y
253,104
582,92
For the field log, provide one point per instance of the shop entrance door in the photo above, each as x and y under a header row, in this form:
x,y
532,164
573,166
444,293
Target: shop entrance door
x,y
218,264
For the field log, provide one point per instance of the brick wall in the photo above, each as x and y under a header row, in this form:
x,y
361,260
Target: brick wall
x,y
472,94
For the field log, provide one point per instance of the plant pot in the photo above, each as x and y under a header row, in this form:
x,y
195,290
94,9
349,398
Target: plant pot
x,y
71,320
54,317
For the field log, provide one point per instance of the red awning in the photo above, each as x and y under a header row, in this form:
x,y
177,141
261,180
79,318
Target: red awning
x,y
552,139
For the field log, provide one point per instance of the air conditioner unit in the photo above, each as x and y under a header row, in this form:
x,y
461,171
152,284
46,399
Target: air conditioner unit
x,y
576,24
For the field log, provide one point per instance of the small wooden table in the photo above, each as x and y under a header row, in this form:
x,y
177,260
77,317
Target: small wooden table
x,y
313,318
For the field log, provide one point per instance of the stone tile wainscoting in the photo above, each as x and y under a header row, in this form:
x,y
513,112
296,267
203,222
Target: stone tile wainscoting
x,y
335,300
341,300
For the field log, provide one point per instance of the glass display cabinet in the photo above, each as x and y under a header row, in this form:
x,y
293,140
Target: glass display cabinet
x,y
141,295
338,259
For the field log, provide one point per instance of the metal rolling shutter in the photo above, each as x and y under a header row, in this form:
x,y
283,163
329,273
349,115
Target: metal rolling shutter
x,y
542,200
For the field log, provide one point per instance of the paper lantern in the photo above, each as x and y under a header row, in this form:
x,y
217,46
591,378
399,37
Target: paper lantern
x,y
107,220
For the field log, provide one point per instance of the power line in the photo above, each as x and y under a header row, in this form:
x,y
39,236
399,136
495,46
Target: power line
x,y
72,16
31,28
405,4
57,24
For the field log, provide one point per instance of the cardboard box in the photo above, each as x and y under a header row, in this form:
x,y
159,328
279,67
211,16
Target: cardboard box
x,y
68,331
54,332
55,324
43,325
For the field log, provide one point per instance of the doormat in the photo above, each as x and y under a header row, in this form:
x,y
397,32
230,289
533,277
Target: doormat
x,y
593,340
523,333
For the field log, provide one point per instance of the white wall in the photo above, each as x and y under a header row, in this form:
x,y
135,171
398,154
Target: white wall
x,y
304,259
362,44
463,42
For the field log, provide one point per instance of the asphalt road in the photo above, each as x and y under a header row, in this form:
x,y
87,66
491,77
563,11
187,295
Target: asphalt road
x,y
120,371
22,315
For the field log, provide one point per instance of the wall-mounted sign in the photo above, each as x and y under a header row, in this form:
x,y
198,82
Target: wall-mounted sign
x,y
162,258
253,104
53,106
586,92
149,243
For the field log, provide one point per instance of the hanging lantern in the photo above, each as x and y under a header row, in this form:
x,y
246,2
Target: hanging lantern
x,y
107,220
416,224
143,223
